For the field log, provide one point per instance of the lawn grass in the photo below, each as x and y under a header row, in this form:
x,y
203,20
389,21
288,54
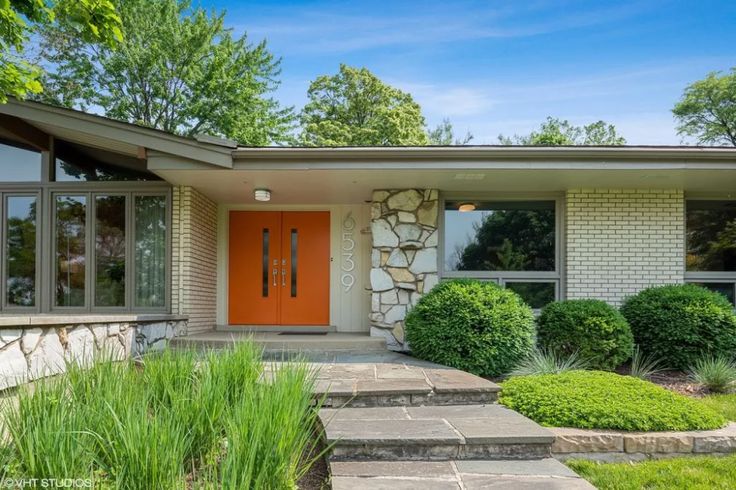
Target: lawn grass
x,y
179,421
694,473
724,404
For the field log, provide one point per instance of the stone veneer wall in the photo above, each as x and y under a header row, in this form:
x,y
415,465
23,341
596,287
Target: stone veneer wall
x,y
27,354
620,241
403,257
194,258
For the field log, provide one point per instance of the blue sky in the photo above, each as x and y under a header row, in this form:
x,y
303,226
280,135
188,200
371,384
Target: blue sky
x,y
501,67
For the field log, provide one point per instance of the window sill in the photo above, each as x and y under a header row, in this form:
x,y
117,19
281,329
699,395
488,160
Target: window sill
x,y
38,320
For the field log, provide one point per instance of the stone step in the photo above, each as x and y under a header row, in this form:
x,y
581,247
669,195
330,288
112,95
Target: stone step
x,y
546,473
453,432
402,382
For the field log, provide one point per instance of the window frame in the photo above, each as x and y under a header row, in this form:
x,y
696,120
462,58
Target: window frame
x,y
556,277
6,307
722,277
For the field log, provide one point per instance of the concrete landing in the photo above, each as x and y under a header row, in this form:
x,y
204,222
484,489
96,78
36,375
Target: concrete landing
x,y
547,473
434,433
275,344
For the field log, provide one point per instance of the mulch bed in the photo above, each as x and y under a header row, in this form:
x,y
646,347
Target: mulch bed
x,y
676,381
318,476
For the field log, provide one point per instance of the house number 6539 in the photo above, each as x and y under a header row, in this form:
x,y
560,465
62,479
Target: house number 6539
x,y
347,279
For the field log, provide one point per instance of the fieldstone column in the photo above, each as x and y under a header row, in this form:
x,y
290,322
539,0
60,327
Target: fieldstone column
x,y
403,257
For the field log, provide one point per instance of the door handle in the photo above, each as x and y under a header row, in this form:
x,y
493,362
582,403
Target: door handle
x,y
283,277
275,273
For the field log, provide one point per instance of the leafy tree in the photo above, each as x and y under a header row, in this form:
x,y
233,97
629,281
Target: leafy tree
x,y
93,21
178,69
557,132
355,108
444,135
707,110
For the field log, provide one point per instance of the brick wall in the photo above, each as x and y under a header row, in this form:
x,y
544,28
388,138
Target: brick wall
x,y
194,258
622,241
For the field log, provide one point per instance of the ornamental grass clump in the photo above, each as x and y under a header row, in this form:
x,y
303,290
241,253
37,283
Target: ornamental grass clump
x,y
717,374
176,420
604,400
542,361
475,326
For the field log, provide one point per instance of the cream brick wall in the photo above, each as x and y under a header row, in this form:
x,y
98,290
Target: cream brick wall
x,y
622,241
194,258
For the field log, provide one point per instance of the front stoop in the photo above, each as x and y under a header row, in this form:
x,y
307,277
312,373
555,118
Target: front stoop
x,y
462,432
546,473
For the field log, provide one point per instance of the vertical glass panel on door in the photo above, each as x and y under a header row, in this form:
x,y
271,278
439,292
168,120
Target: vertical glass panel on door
x,y
20,247
19,165
500,236
70,225
110,251
150,251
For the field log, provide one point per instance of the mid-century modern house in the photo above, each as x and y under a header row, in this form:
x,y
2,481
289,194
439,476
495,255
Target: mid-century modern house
x,y
117,236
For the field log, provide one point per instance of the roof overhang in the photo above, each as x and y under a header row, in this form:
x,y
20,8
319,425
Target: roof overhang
x,y
108,134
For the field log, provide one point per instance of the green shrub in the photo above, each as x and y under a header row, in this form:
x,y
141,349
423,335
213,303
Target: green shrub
x,y
603,400
589,327
471,325
718,374
682,323
541,361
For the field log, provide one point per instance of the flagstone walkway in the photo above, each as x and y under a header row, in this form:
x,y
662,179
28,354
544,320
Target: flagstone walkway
x,y
396,422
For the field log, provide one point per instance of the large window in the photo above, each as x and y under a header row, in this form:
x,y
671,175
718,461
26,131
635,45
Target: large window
x,y
81,230
710,258
511,242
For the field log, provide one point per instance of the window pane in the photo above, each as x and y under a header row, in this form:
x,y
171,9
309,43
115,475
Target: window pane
x,y
724,288
110,251
711,236
19,165
70,250
150,251
21,251
500,236
535,294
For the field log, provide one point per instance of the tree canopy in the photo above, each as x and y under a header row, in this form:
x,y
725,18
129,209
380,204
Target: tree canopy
x,y
177,69
90,21
444,135
557,132
355,108
707,110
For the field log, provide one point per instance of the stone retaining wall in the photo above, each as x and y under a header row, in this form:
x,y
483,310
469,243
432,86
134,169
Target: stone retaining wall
x,y
30,353
614,446
403,258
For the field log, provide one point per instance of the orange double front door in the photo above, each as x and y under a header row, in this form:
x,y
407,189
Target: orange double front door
x,y
279,268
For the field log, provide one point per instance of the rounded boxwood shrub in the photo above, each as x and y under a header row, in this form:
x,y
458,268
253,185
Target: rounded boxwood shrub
x,y
604,400
475,326
593,329
681,324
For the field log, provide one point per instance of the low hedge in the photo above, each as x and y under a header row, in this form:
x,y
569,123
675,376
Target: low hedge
x,y
475,326
590,328
681,324
603,400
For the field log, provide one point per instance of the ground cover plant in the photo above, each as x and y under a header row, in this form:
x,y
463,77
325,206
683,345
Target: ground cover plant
x,y
475,326
696,473
603,400
679,324
592,329
178,420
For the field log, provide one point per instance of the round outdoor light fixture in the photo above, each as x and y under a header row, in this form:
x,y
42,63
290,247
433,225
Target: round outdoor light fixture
x,y
465,207
262,195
